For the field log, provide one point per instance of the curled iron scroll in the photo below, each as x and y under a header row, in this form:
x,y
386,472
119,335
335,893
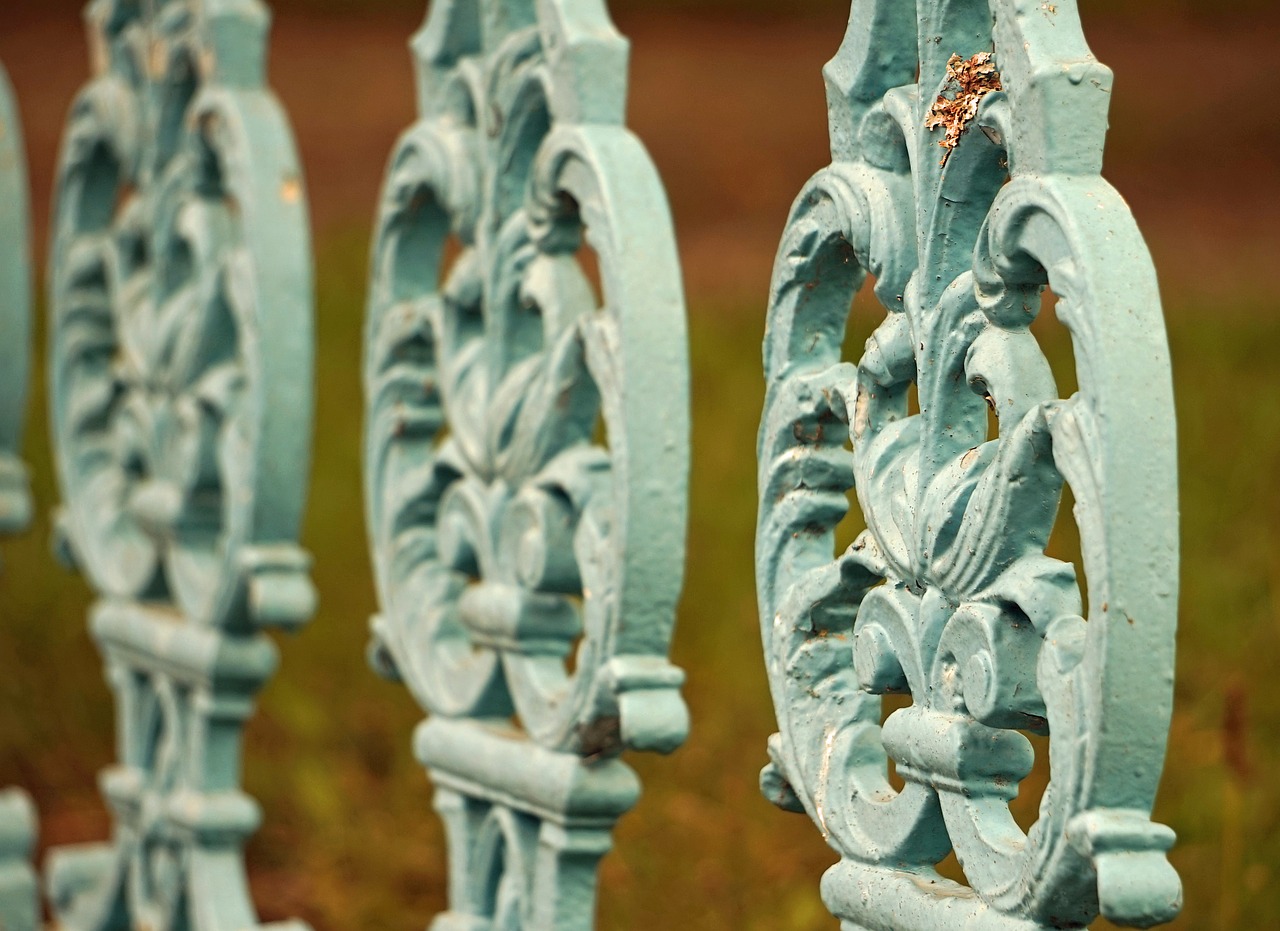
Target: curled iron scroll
x,y
526,436
526,448
181,337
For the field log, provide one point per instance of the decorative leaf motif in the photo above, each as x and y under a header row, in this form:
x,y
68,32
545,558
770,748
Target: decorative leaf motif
x,y
170,285
514,345
526,443
948,595
180,361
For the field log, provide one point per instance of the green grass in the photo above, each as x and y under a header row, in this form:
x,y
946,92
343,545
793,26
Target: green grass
x,y
350,839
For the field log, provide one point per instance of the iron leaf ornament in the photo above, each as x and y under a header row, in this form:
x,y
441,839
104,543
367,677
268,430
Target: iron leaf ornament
x,y
967,144
526,448
180,382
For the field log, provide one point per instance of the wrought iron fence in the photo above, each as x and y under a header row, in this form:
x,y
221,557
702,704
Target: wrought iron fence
x,y
966,180
526,449
180,384
527,453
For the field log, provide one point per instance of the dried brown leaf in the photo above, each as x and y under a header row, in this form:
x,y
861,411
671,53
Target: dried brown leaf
x,y
973,79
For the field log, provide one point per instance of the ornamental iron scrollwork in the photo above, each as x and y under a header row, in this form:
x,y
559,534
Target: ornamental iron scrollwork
x,y
967,143
18,888
526,449
180,382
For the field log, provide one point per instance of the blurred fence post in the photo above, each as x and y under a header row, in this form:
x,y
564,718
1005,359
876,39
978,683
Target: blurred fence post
x,y
18,895
19,889
527,449
967,181
15,313
180,383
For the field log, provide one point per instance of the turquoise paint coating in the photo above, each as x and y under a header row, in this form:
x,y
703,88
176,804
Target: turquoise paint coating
x,y
19,896
15,313
18,889
948,596
180,382
527,444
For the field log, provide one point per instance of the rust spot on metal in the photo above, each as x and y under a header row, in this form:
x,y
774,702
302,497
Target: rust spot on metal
x,y
804,435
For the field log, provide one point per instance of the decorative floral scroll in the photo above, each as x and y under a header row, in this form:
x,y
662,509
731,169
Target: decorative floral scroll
x,y
967,140
180,369
527,447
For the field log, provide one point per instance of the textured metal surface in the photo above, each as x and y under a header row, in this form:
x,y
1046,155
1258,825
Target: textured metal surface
x,y
966,182
180,384
527,448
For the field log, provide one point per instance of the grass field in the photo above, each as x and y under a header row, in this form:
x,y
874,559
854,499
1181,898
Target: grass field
x,y
731,109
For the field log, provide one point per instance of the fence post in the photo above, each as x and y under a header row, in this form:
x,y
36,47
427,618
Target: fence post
x,y
15,313
180,383
966,180
526,449
18,895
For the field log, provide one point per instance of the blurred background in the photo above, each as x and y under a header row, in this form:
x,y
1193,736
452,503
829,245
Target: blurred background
x,y
728,96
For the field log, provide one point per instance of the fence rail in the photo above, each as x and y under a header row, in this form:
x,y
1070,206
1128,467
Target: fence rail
x,y
527,455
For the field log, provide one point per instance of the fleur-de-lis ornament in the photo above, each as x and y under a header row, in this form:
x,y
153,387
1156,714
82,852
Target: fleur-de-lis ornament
x,y
527,448
180,376
967,143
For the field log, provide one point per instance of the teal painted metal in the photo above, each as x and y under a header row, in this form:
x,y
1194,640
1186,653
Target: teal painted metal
x,y
19,890
180,378
15,313
966,184
526,449
18,897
